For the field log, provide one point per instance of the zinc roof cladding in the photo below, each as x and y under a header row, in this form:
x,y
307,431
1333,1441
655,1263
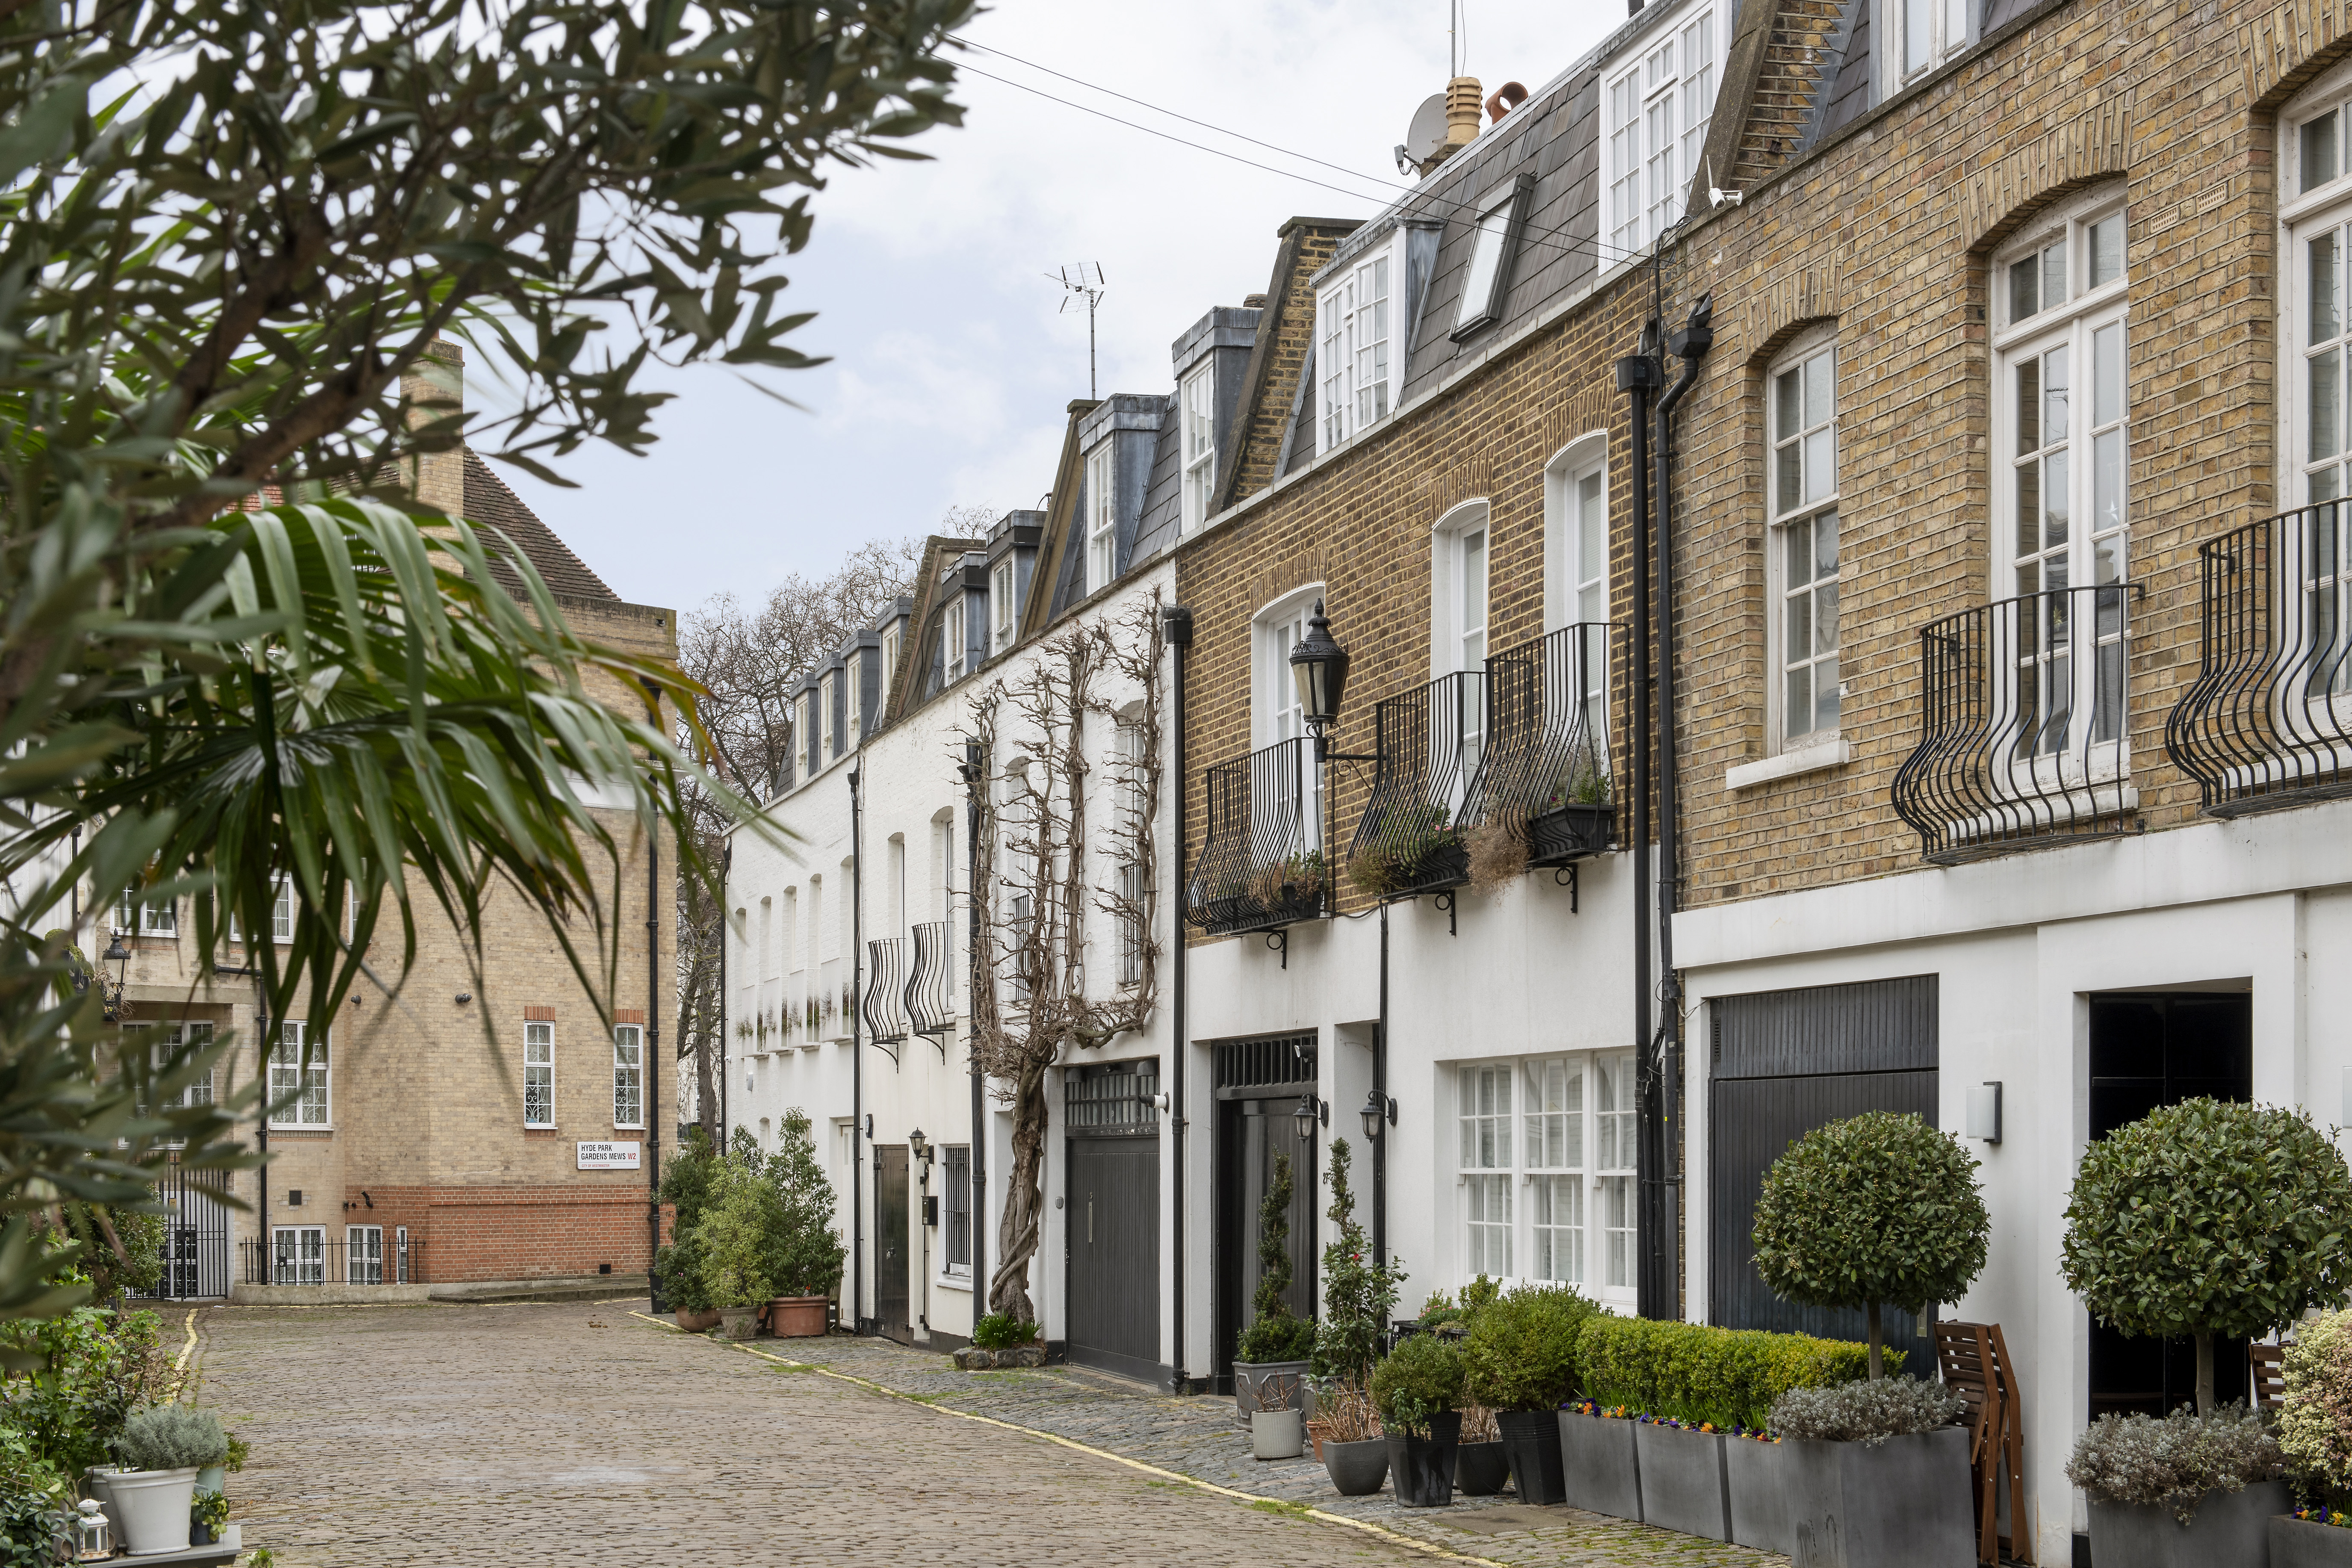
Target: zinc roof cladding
x,y
489,501
1161,522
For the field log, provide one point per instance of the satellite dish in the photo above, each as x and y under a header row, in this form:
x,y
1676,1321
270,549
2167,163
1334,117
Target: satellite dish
x,y
1428,132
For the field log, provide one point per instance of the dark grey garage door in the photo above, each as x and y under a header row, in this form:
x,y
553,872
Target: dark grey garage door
x,y
1112,1187
1784,1063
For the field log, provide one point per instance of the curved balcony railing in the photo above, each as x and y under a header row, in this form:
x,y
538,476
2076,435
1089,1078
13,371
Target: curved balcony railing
x,y
931,982
1260,863
884,1006
1425,748
2024,741
1546,770
2268,721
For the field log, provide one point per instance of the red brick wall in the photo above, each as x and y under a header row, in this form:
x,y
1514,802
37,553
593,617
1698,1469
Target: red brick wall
x,y
514,1232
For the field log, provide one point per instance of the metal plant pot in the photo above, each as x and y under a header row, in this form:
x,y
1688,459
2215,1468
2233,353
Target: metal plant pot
x,y
1597,1462
2230,1527
1248,1375
2299,1543
1902,1503
1356,1469
1276,1435
1681,1479
1531,1446
1481,1469
1757,1476
1423,1468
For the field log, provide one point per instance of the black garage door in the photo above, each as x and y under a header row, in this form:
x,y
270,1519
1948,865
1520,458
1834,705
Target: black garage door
x,y
1112,1187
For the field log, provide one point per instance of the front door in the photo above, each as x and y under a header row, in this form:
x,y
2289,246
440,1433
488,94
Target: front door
x,y
890,1250
2148,1051
1113,1225
1252,1133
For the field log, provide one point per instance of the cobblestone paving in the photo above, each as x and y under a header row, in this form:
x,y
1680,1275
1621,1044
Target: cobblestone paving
x,y
495,1434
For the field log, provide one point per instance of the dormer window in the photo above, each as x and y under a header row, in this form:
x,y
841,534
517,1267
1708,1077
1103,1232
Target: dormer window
x,y
889,656
856,714
807,720
1200,433
1932,31
1658,114
1501,215
951,643
829,707
1102,521
1001,605
1354,366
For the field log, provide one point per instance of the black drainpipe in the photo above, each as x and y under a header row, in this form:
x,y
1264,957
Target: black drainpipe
x,y
725,895
1380,1140
1178,623
1640,373
857,1100
975,778
647,1054
1690,345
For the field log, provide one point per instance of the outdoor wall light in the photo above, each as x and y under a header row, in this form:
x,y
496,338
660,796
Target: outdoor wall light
x,y
919,1146
118,958
1984,1111
1311,1112
1377,1110
1320,666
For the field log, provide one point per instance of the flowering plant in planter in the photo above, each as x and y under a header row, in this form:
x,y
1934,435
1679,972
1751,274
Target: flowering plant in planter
x,y
2315,1422
1870,1412
2174,1462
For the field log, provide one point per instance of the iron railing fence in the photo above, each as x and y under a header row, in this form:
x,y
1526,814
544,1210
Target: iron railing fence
x,y
1547,767
2025,734
931,982
1261,865
1114,1101
2268,721
884,1006
1425,748
195,1234
303,1254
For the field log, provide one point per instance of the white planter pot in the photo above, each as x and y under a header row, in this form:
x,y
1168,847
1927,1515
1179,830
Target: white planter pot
x,y
1275,1433
153,1506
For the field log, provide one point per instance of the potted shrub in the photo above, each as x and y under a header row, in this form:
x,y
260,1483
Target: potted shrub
x,y
2184,1490
161,1447
999,1340
808,1256
1519,1360
735,1236
1877,1475
1358,1297
1418,1389
1481,1468
1349,1441
1278,1342
2315,1435
678,1270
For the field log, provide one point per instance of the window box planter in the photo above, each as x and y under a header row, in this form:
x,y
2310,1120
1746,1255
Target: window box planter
x,y
153,1505
1248,1374
1531,1444
2230,1527
1902,1503
2299,1543
1356,1469
797,1317
1756,1479
1682,1475
1423,1467
1481,1469
1569,833
1598,1463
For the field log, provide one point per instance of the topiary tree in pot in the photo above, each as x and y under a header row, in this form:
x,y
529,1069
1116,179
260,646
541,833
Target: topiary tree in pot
x,y
2205,1218
1358,1294
807,1255
1276,1333
1873,1209
1417,1388
1519,1360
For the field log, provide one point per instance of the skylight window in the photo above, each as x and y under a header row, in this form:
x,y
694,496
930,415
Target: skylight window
x,y
1501,217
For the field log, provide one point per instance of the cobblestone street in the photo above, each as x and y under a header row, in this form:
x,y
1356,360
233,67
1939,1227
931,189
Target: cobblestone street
x,y
496,1435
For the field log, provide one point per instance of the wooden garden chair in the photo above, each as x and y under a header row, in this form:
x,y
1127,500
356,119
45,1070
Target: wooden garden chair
x,y
1974,1363
2266,1375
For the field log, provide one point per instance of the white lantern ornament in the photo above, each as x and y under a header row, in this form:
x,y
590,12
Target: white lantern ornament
x,y
93,1537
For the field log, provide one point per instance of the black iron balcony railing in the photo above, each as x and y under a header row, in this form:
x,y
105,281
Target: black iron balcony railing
x,y
930,984
2268,721
303,1255
1261,865
885,1005
1547,771
1425,748
2023,740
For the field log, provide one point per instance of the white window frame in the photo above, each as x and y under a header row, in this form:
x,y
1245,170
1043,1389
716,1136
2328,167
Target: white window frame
x,y
951,1191
1659,108
1460,617
1576,534
1277,715
1942,28
1102,516
853,705
1359,344
539,1073
281,914
297,1254
288,1073
2314,457
828,738
1557,1138
889,657
1001,599
954,653
187,1032
1797,515
136,915
628,1075
1495,231
364,1254
1198,432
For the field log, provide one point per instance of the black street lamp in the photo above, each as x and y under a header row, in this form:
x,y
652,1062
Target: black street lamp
x,y
119,958
1310,1112
1320,666
1378,1107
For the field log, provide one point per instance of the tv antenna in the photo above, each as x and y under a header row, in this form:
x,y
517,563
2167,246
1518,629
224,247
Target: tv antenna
x,y
1077,286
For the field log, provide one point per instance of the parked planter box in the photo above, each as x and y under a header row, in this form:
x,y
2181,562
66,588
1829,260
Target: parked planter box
x,y
1248,1374
696,1323
1481,1469
153,1505
1423,1468
1356,1469
1531,1444
797,1317
1275,1435
1681,1479
2299,1543
2231,1528
1757,1481
1598,1465
1903,1503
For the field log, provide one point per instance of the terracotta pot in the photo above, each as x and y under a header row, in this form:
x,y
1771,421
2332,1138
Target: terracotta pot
x,y
797,1317
695,1323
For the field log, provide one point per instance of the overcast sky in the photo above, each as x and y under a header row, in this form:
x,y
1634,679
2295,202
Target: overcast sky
x,y
951,360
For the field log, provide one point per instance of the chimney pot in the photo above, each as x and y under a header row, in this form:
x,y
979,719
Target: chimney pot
x,y
1461,101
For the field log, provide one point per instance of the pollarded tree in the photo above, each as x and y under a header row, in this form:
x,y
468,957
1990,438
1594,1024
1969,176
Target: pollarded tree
x,y
1875,1209
2208,1218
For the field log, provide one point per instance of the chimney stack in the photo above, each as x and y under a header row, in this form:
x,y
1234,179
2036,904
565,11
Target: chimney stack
x,y
434,386
1462,100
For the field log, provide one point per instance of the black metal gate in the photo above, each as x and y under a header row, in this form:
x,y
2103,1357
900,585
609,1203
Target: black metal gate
x,y
1784,1063
195,1234
891,1282
1112,1224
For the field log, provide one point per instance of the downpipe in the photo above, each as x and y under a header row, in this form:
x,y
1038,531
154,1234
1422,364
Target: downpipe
x,y
1640,374
1178,622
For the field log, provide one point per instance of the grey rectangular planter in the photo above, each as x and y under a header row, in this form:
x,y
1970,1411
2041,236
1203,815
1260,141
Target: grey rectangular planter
x,y
1531,1440
1757,1478
2229,1528
1598,1465
2299,1543
1903,1503
1247,1376
1681,1479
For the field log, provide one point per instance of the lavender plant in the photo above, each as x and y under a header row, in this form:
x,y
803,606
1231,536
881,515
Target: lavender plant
x,y
2174,1462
